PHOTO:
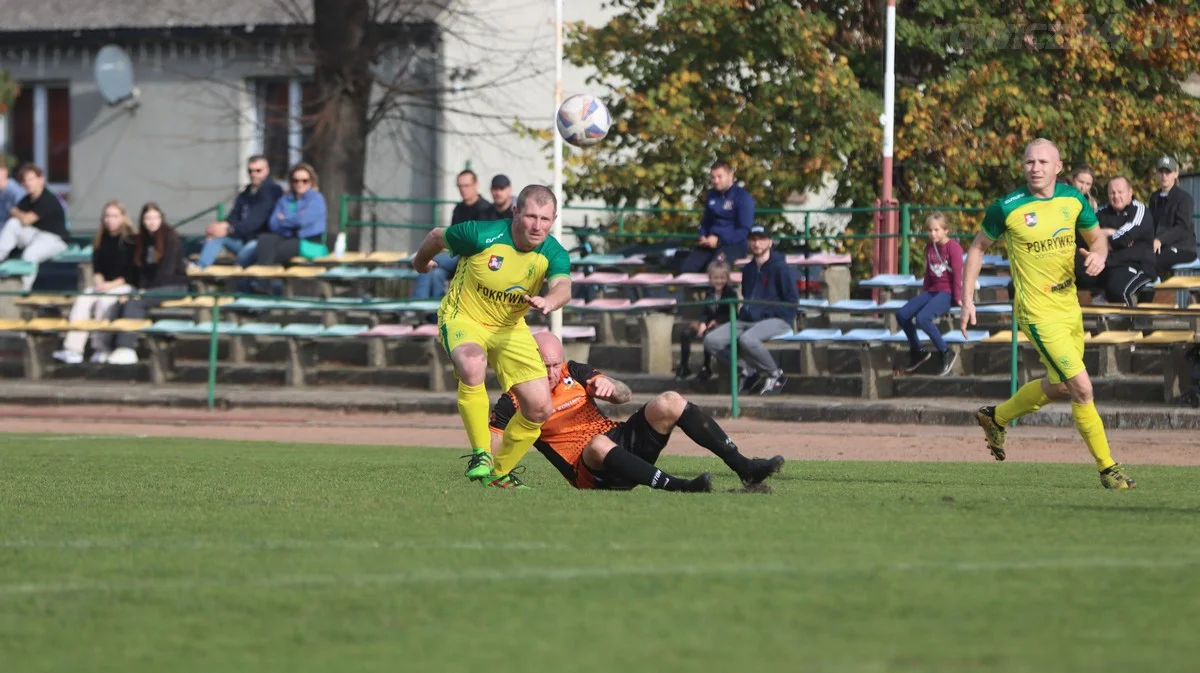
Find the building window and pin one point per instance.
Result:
(39, 130)
(284, 113)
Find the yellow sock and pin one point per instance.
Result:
(520, 434)
(473, 407)
(1028, 399)
(1091, 428)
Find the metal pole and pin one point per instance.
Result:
(905, 232)
(888, 121)
(734, 412)
(212, 355)
(556, 318)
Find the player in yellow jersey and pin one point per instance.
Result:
(1039, 224)
(481, 321)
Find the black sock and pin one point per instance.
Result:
(707, 359)
(626, 465)
(703, 430)
(685, 351)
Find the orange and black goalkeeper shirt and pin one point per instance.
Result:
(576, 418)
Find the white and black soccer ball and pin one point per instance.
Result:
(583, 120)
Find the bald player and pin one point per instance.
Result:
(1039, 223)
(593, 451)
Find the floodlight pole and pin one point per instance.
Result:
(556, 318)
(888, 221)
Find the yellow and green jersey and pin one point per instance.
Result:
(1040, 234)
(493, 277)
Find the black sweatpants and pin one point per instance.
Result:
(1169, 257)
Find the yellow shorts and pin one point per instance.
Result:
(1060, 346)
(511, 351)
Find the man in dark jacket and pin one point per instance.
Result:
(1172, 208)
(728, 218)
(766, 278)
(1130, 230)
(251, 211)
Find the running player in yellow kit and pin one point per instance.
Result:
(481, 321)
(1039, 224)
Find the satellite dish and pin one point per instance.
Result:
(114, 74)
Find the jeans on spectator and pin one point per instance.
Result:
(244, 251)
(432, 285)
(135, 309)
(36, 246)
(921, 311)
(93, 305)
(698, 259)
(750, 338)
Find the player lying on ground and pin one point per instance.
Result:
(481, 320)
(593, 451)
(1039, 224)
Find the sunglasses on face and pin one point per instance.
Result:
(300, 181)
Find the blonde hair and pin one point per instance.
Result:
(125, 233)
(939, 216)
(306, 167)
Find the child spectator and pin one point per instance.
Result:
(1083, 179)
(113, 275)
(942, 289)
(714, 314)
(299, 216)
(161, 270)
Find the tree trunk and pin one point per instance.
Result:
(342, 42)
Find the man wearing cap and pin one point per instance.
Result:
(502, 198)
(728, 217)
(766, 278)
(1171, 208)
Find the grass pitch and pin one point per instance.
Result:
(130, 555)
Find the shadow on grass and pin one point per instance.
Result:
(1133, 509)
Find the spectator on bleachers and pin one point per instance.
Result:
(298, 216)
(161, 270)
(247, 219)
(37, 224)
(1130, 229)
(728, 219)
(11, 191)
(1174, 231)
(719, 288)
(473, 207)
(113, 275)
(1084, 179)
(941, 290)
(766, 277)
(502, 199)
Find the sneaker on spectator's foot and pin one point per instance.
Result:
(123, 356)
(916, 359)
(748, 382)
(948, 359)
(704, 374)
(682, 373)
(772, 384)
(68, 357)
(99, 357)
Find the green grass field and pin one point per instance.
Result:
(126, 554)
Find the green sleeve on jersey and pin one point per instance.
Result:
(462, 239)
(1087, 217)
(993, 221)
(558, 261)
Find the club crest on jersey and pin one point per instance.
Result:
(1031, 219)
(494, 262)
(567, 381)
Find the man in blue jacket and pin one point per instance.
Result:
(728, 217)
(251, 210)
(766, 278)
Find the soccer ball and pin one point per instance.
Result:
(583, 120)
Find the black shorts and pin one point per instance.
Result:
(635, 436)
